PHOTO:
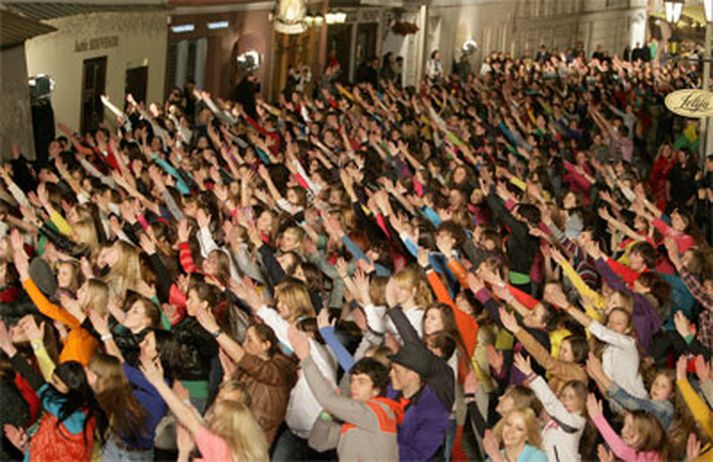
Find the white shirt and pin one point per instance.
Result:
(620, 359)
(379, 323)
(302, 408)
(560, 445)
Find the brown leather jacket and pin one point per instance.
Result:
(268, 383)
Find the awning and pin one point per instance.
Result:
(15, 29)
(42, 11)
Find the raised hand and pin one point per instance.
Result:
(491, 445)
(323, 319)
(6, 340)
(17, 436)
(228, 365)
(423, 257)
(342, 268)
(202, 218)
(683, 325)
(299, 342)
(604, 454)
(100, 323)
(206, 319)
(594, 406)
(703, 368)
(183, 230)
(682, 368)
(555, 296)
(147, 244)
(495, 358)
(693, 448)
(523, 363)
(475, 284)
(152, 369)
(247, 291)
(594, 366)
(471, 384)
(32, 330)
(362, 288)
(557, 256)
(509, 320)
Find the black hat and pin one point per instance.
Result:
(414, 357)
(42, 275)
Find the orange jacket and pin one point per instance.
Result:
(79, 344)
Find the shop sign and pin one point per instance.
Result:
(690, 103)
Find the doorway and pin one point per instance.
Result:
(94, 85)
(366, 42)
(136, 82)
(338, 45)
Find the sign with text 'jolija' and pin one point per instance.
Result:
(690, 103)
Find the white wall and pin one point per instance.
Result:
(516, 26)
(408, 47)
(488, 22)
(142, 37)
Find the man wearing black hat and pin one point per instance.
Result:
(425, 421)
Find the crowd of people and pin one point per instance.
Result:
(513, 267)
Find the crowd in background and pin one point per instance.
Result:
(513, 267)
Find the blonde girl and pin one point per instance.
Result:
(410, 290)
(84, 233)
(122, 260)
(69, 275)
(229, 433)
(518, 435)
(292, 304)
(566, 413)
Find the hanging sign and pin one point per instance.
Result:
(690, 103)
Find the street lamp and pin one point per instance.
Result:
(674, 8)
(705, 123)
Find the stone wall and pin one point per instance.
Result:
(15, 116)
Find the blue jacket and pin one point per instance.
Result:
(529, 454)
(424, 425)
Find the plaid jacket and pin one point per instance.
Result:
(705, 321)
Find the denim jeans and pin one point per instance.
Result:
(111, 452)
(450, 438)
(289, 447)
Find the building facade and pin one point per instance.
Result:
(148, 47)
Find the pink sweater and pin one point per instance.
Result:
(619, 447)
(683, 240)
(212, 447)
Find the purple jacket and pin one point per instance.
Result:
(423, 429)
(645, 318)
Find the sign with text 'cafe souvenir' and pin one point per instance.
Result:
(690, 103)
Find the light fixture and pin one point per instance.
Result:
(249, 61)
(336, 18)
(290, 17)
(673, 8)
(183, 28)
(218, 25)
(41, 86)
(708, 7)
(316, 20)
(470, 46)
